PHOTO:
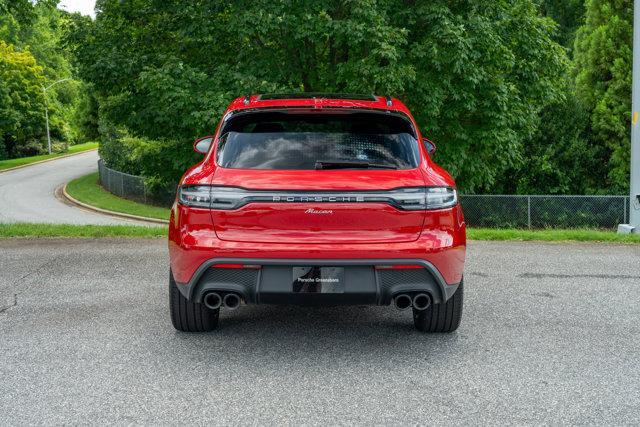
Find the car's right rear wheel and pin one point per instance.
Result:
(190, 316)
(443, 317)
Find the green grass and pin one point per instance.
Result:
(12, 163)
(65, 230)
(551, 235)
(87, 190)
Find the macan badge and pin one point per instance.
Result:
(319, 212)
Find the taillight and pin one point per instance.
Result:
(198, 196)
(398, 267)
(230, 198)
(238, 266)
(429, 198)
(440, 198)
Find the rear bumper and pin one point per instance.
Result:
(271, 283)
(194, 248)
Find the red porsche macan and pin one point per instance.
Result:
(316, 199)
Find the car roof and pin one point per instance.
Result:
(317, 100)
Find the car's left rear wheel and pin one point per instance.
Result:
(443, 317)
(189, 316)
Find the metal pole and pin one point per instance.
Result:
(46, 114)
(529, 211)
(634, 193)
(46, 109)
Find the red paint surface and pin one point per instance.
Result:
(353, 231)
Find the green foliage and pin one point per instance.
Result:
(485, 79)
(13, 15)
(21, 98)
(568, 14)
(145, 71)
(603, 58)
(476, 74)
(43, 39)
(85, 118)
(160, 161)
(34, 30)
(560, 159)
(484, 74)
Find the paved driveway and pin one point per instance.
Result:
(550, 334)
(28, 194)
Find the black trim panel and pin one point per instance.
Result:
(441, 290)
(306, 109)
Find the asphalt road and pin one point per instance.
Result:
(550, 334)
(28, 194)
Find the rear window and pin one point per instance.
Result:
(281, 141)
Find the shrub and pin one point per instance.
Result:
(29, 148)
(160, 162)
(59, 147)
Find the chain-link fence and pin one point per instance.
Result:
(132, 187)
(545, 211)
(496, 211)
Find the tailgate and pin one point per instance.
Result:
(354, 206)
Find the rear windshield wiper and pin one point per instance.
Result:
(320, 165)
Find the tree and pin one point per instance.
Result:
(475, 73)
(14, 14)
(603, 60)
(569, 15)
(559, 156)
(33, 30)
(86, 119)
(21, 99)
(485, 70)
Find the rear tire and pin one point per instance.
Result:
(444, 317)
(189, 316)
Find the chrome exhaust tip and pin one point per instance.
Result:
(231, 301)
(421, 301)
(212, 300)
(402, 301)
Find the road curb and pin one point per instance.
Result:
(108, 212)
(47, 160)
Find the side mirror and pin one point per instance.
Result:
(202, 145)
(430, 146)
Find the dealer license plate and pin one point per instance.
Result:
(324, 280)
